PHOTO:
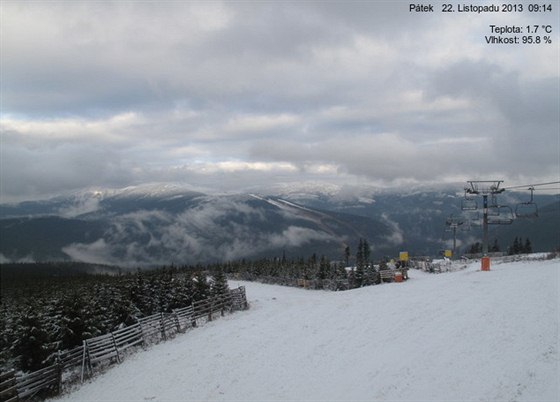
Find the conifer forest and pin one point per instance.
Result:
(41, 313)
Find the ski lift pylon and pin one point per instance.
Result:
(527, 209)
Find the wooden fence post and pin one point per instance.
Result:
(177, 323)
(59, 378)
(143, 332)
(59, 367)
(244, 296)
(193, 319)
(162, 325)
(84, 354)
(116, 348)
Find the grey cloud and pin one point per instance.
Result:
(145, 55)
(385, 157)
(297, 236)
(35, 172)
(118, 93)
(521, 116)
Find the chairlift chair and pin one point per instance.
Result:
(472, 215)
(503, 215)
(527, 209)
(475, 222)
(466, 227)
(468, 204)
(493, 210)
(454, 221)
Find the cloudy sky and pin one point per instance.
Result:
(236, 94)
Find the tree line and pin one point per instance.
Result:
(351, 271)
(518, 246)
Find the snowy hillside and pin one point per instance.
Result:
(467, 335)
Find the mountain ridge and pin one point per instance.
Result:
(151, 225)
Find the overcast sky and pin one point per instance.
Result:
(236, 94)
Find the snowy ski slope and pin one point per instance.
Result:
(462, 336)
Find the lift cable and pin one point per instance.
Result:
(532, 185)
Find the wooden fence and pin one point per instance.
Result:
(102, 351)
(8, 387)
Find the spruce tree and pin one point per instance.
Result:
(366, 252)
(347, 255)
(324, 268)
(32, 343)
(219, 283)
(201, 286)
(359, 275)
(475, 248)
(340, 271)
(516, 247)
(138, 293)
(185, 291)
(528, 248)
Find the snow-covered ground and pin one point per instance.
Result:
(461, 336)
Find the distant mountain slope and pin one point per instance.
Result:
(544, 231)
(42, 238)
(153, 224)
(183, 229)
(420, 216)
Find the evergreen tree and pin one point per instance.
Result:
(371, 275)
(516, 246)
(164, 289)
(476, 248)
(185, 291)
(201, 286)
(352, 283)
(312, 267)
(79, 319)
(359, 275)
(528, 248)
(340, 271)
(32, 342)
(219, 283)
(495, 247)
(138, 292)
(324, 268)
(366, 252)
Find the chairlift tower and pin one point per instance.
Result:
(452, 224)
(487, 188)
